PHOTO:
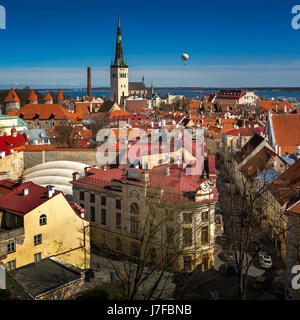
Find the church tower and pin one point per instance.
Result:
(118, 72)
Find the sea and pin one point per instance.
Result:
(275, 94)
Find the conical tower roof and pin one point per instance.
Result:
(12, 96)
(32, 96)
(60, 95)
(48, 97)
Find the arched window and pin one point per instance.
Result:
(43, 220)
(134, 208)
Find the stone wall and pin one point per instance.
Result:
(33, 158)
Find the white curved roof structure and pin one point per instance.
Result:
(55, 173)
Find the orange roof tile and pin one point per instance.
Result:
(29, 111)
(32, 96)
(118, 113)
(271, 105)
(60, 95)
(286, 131)
(12, 96)
(48, 97)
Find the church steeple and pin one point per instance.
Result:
(119, 60)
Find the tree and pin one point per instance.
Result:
(160, 242)
(248, 214)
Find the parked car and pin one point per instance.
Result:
(265, 260)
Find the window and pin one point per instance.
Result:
(38, 257)
(204, 235)
(118, 204)
(81, 196)
(92, 198)
(170, 234)
(43, 220)
(11, 265)
(118, 220)
(187, 218)
(134, 225)
(169, 214)
(37, 240)
(187, 237)
(93, 216)
(11, 247)
(134, 208)
(205, 216)
(187, 262)
(103, 201)
(103, 217)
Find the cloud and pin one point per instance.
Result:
(242, 75)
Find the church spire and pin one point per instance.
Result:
(119, 60)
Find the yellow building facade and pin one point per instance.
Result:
(53, 228)
(122, 213)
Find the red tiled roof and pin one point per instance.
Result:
(30, 111)
(295, 208)
(286, 131)
(15, 202)
(119, 114)
(32, 96)
(60, 95)
(48, 97)
(285, 186)
(271, 105)
(7, 143)
(246, 132)
(134, 105)
(12, 96)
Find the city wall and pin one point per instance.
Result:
(33, 158)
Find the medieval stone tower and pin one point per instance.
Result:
(118, 72)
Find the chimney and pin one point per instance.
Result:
(25, 192)
(20, 181)
(50, 191)
(89, 81)
(168, 171)
(75, 176)
(285, 110)
(279, 150)
(86, 170)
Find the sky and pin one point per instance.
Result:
(49, 44)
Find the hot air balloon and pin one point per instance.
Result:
(185, 57)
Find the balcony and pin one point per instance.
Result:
(6, 234)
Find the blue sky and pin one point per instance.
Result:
(231, 43)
